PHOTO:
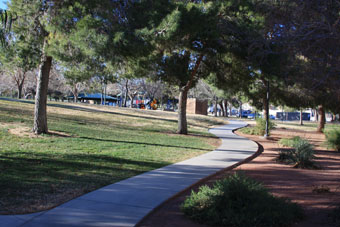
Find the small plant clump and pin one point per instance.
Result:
(289, 142)
(261, 126)
(333, 139)
(259, 129)
(239, 201)
(321, 189)
(301, 154)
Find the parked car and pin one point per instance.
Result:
(245, 113)
(252, 115)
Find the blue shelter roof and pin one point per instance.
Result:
(96, 96)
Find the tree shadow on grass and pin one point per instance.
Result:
(143, 143)
(35, 181)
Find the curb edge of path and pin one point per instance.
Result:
(250, 158)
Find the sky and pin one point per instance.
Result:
(2, 4)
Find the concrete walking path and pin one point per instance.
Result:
(126, 202)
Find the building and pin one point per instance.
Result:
(195, 106)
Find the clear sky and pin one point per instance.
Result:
(3, 4)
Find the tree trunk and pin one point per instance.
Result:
(104, 94)
(226, 108)
(20, 91)
(182, 112)
(75, 93)
(40, 113)
(126, 93)
(215, 109)
(265, 108)
(183, 96)
(322, 119)
(20, 84)
(222, 108)
(132, 97)
(301, 120)
(240, 109)
(316, 116)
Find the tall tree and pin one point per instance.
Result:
(185, 38)
(312, 34)
(53, 21)
(34, 18)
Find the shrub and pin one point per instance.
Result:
(304, 154)
(239, 201)
(259, 129)
(301, 155)
(286, 156)
(289, 142)
(261, 126)
(333, 139)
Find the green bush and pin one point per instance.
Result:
(286, 156)
(301, 155)
(289, 142)
(304, 154)
(239, 201)
(333, 139)
(261, 126)
(259, 129)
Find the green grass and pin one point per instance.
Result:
(307, 126)
(99, 146)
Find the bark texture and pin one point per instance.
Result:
(182, 112)
(322, 119)
(20, 91)
(75, 93)
(126, 93)
(301, 120)
(265, 108)
(40, 112)
(20, 80)
(215, 109)
(241, 109)
(226, 108)
(222, 108)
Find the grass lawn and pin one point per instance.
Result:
(89, 147)
(307, 125)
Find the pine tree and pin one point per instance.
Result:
(184, 37)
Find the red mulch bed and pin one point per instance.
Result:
(307, 187)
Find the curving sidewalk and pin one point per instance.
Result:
(125, 203)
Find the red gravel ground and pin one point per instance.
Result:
(317, 190)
